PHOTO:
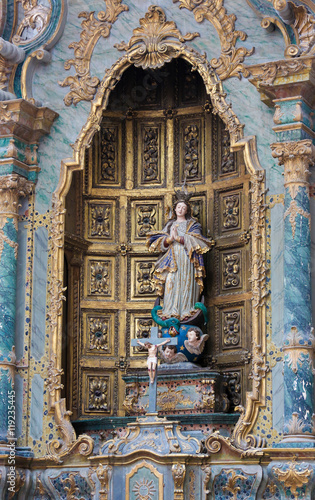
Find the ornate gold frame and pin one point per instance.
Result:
(241, 438)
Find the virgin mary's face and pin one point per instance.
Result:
(181, 209)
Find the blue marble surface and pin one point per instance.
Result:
(20, 290)
(37, 405)
(39, 293)
(297, 258)
(298, 394)
(277, 273)
(18, 405)
(278, 397)
(7, 291)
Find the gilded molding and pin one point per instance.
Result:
(294, 477)
(152, 45)
(83, 86)
(302, 24)
(296, 158)
(36, 19)
(178, 473)
(230, 61)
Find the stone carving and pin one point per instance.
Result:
(230, 61)
(231, 211)
(156, 42)
(100, 272)
(35, 21)
(191, 154)
(83, 86)
(178, 473)
(98, 393)
(150, 167)
(231, 328)
(146, 219)
(231, 271)
(109, 171)
(293, 476)
(99, 334)
(100, 215)
(233, 387)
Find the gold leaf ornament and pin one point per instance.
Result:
(294, 477)
(156, 41)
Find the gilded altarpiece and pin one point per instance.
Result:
(126, 190)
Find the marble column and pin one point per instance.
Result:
(298, 341)
(12, 187)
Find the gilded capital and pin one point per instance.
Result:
(12, 187)
(296, 158)
(178, 472)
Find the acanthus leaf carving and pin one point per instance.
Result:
(35, 21)
(230, 61)
(82, 85)
(294, 475)
(155, 42)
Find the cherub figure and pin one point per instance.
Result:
(170, 355)
(152, 358)
(195, 342)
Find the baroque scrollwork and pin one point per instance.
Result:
(178, 472)
(83, 86)
(230, 61)
(155, 42)
(35, 21)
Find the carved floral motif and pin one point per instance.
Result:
(100, 272)
(178, 473)
(109, 146)
(231, 328)
(98, 334)
(100, 215)
(227, 161)
(267, 73)
(146, 219)
(207, 395)
(231, 211)
(71, 487)
(155, 42)
(150, 167)
(292, 211)
(230, 61)
(145, 283)
(83, 86)
(231, 270)
(191, 152)
(231, 487)
(98, 393)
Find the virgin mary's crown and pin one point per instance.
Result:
(183, 193)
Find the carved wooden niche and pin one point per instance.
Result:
(157, 129)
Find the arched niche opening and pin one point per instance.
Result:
(159, 126)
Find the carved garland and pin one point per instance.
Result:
(142, 53)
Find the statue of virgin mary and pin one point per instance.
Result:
(179, 272)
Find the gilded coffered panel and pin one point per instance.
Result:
(199, 210)
(150, 152)
(146, 215)
(140, 270)
(100, 277)
(100, 220)
(189, 134)
(232, 320)
(230, 211)
(97, 392)
(225, 163)
(232, 270)
(107, 159)
(98, 333)
(140, 328)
